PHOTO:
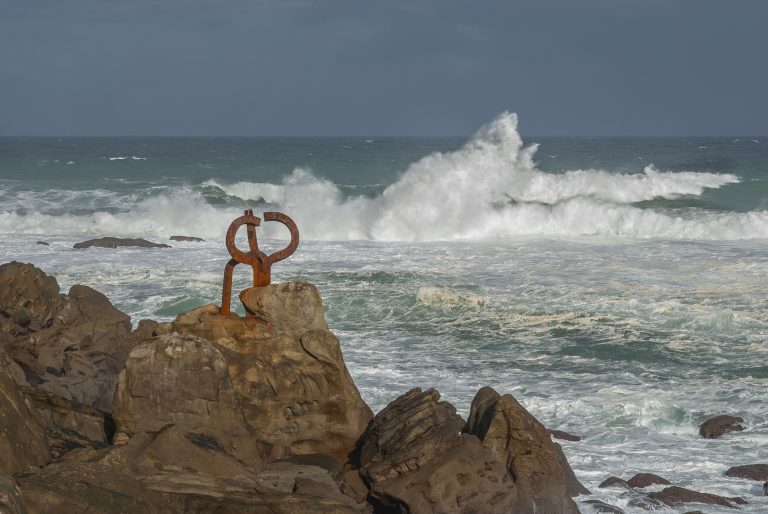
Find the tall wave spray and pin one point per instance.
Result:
(491, 188)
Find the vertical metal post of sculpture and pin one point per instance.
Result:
(258, 260)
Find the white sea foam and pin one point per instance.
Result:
(490, 188)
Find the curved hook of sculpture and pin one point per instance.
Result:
(258, 260)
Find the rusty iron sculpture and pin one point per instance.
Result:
(258, 260)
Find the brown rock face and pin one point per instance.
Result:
(287, 369)
(749, 471)
(182, 381)
(10, 496)
(173, 472)
(71, 346)
(415, 460)
(22, 439)
(544, 479)
(720, 425)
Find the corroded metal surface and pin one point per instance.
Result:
(258, 260)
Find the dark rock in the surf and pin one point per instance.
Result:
(43, 243)
(10, 496)
(720, 425)
(188, 238)
(115, 242)
(765, 488)
(642, 480)
(182, 381)
(749, 471)
(603, 508)
(613, 481)
(675, 496)
(565, 436)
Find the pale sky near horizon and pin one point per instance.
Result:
(394, 67)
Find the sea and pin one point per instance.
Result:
(617, 287)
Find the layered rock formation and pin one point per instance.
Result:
(230, 414)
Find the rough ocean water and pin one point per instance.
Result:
(618, 287)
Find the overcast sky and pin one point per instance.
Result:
(387, 67)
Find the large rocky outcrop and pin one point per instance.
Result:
(72, 345)
(182, 381)
(231, 414)
(415, 459)
(287, 369)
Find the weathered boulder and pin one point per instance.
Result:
(749, 471)
(287, 369)
(182, 381)
(720, 425)
(187, 238)
(22, 440)
(415, 460)
(675, 496)
(642, 480)
(72, 345)
(114, 242)
(10, 496)
(28, 295)
(542, 475)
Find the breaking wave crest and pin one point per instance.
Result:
(490, 188)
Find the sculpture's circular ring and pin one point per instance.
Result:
(238, 255)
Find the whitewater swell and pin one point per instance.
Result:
(490, 188)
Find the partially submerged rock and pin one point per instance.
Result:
(642, 480)
(115, 242)
(720, 425)
(565, 436)
(187, 238)
(749, 471)
(675, 496)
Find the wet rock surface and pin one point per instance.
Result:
(720, 425)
